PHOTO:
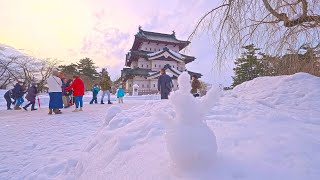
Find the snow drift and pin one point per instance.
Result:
(267, 128)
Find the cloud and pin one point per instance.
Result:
(104, 29)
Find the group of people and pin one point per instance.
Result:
(64, 93)
(15, 96)
(165, 85)
(60, 91)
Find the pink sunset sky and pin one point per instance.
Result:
(104, 30)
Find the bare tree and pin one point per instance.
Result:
(273, 25)
(25, 69)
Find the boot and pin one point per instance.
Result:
(50, 111)
(17, 108)
(9, 108)
(25, 108)
(80, 109)
(57, 111)
(34, 109)
(76, 110)
(109, 102)
(102, 102)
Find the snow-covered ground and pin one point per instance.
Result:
(267, 128)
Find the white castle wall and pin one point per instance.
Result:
(154, 47)
(143, 63)
(154, 65)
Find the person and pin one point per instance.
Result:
(165, 84)
(66, 102)
(69, 93)
(105, 84)
(31, 97)
(55, 93)
(195, 86)
(78, 92)
(18, 92)
(8, 96)
(120, 94)
(95, 91)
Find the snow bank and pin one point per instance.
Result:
(267, 128)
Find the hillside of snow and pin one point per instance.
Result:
(267, 128)
(8, 51)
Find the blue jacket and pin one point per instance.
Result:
(120, 92)
(95, 90)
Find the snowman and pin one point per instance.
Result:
(190, 142)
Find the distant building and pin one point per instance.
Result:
(150, 52)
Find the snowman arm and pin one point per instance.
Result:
(211, 98)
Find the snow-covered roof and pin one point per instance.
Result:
(147, 36)
(166, 52)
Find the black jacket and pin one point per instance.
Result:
(18, 91)
(9, 94)
(32, 93)
(165, 84)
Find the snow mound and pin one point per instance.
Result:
(191, 143)
(111, 113)
(298, 91)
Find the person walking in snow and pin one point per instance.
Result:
(55, 93)
(105, 84)
(196, 86)
(95, 91)
(165, 84)
(31, 97)
(120, 94)
(8, 96)
(78, 92)
(18, 92)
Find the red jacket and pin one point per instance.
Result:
(77, 86)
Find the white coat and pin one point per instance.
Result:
(54, 84)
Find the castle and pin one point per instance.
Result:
(151, 52)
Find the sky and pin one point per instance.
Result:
(104, 30)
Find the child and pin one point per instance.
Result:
(31, 97)
(95, 91)
(120, 94)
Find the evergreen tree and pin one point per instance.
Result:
(86, 67)
(248, 66)
(69, 69)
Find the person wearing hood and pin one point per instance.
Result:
(8, 96)
(95, 91)
(31, 97)
(18, 92)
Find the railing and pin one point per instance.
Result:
(143, 92)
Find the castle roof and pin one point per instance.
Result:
(148, 36)
(172, 70)
(164, 54)
(128, 72)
